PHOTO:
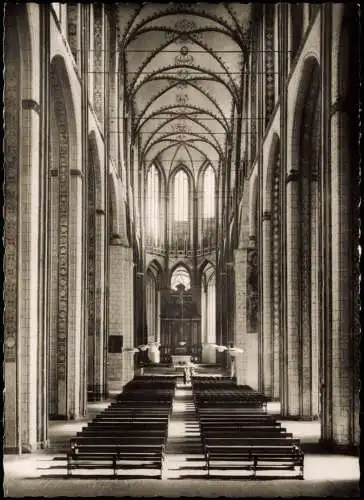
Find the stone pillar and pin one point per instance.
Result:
(28, 273)
(340, 352)
(98, 334)
(246, 363)
(43, 325)
(343, 398)
(277, 292)
(75, 280)
(21, 320)
(267, 347)
(53, 244)
(304, 283)
(291, 407)
(282, 89)
(208, 349)
(240, 264)
(158, 319)
(121, 315)
(315, 305)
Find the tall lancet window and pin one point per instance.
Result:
(181, 217)
(152, 206)
(181, 197)
(208, 228)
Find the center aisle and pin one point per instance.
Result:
(184, 456)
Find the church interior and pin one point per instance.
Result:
(181, 264)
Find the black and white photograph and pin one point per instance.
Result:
(181, 249)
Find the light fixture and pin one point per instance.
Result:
(230, 349)
(143, 347)
(220, 348)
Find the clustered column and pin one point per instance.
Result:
(267, 347)
(292, 342)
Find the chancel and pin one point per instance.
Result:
(181, 292)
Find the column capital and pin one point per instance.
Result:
(339, 105)
(31, 104)
(292, 176)
(116, 240)
(76, 172)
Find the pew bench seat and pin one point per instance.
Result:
(124, 457)
(237, 434)
(130, 418)
(101, 426)
(114, 441)
(255, 458)
(117, 433)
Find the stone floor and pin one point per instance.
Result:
(43, 473)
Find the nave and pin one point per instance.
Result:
(181, 186)
(185, 464)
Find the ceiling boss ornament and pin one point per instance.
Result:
(183, 75)
(182, 99)
(188, 27)
(184, 57)
(181, 128)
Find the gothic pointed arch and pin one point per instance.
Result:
(181, 210)
(23, 328)
(66, 223)
(303, 248)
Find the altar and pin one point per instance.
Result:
(181, 359)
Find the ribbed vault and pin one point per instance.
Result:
(183, 74)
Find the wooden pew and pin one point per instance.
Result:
(237, 433)
(133, 417)
(126, 425)
(255, 457)
(116, 440)
(118, 433)
(132, 429)
(119, 456)
(125, 411)
(238, 420)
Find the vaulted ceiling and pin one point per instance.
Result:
(182, 67)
